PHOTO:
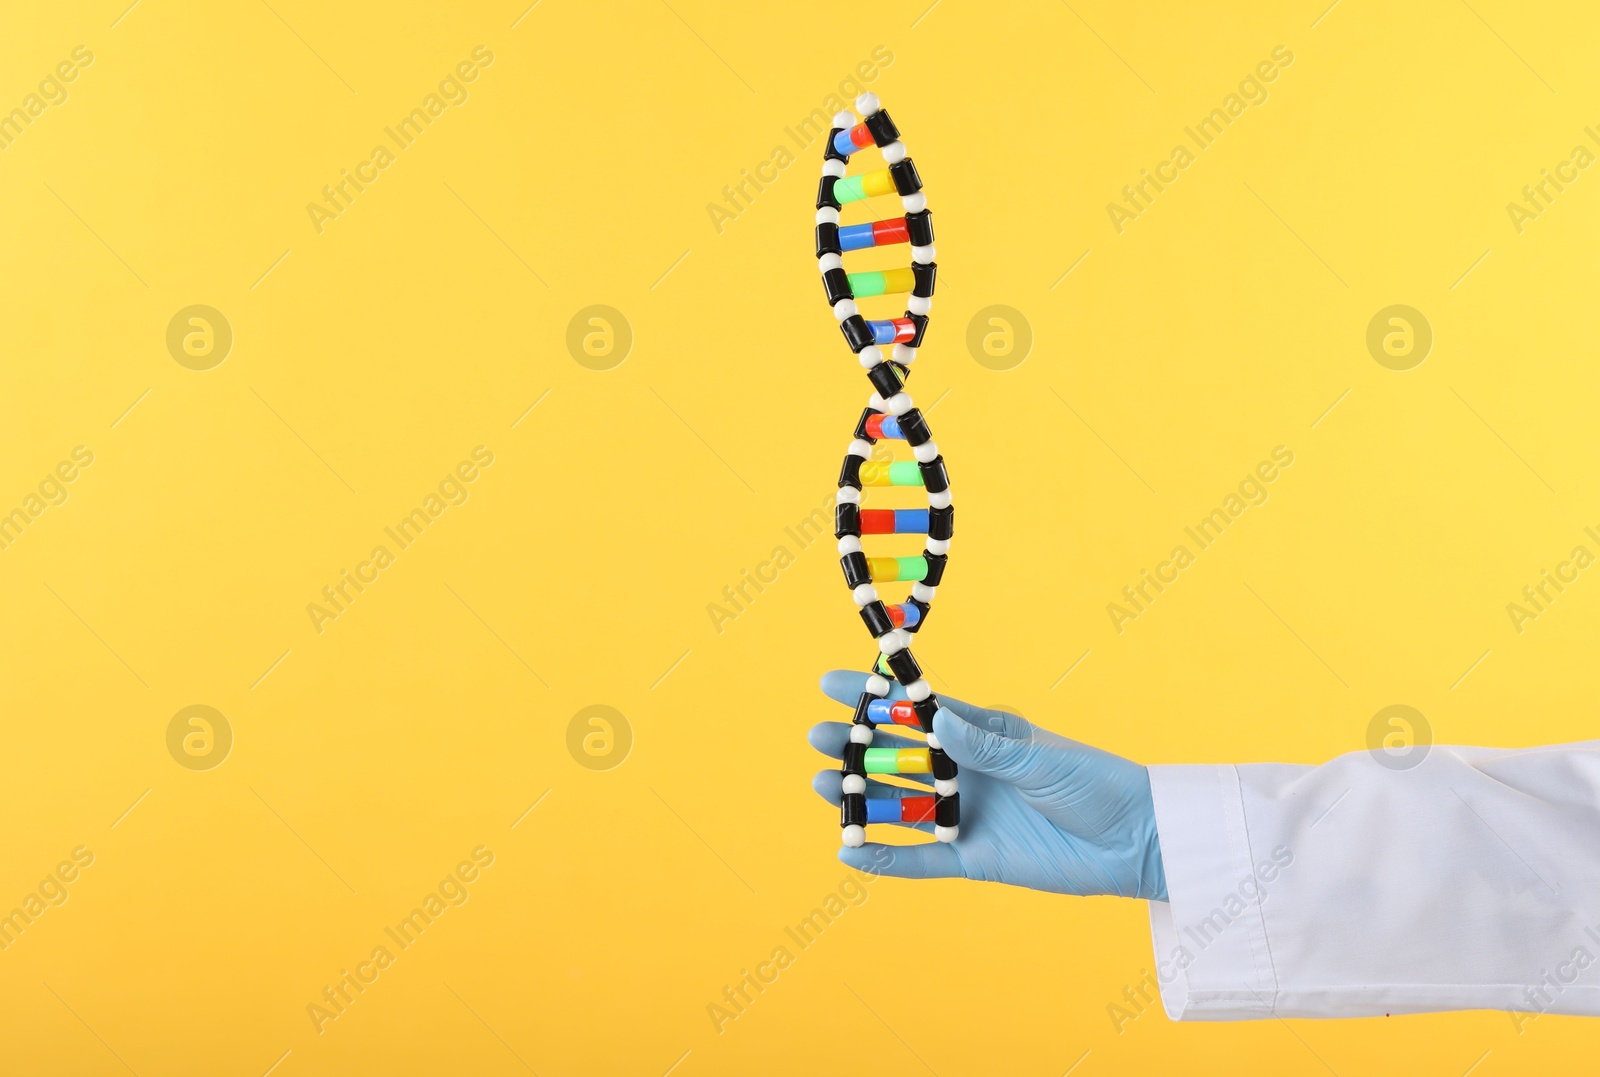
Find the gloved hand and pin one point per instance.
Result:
(1037, 810)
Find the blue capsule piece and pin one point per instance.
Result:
(883, 810)
(911, 521)
(882, 332)
(855, 237)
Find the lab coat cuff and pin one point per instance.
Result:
(1211, 948)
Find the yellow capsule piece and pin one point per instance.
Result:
(875, 473)
(913, 761)
(898, 280)
(876, 183)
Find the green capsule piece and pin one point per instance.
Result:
(882, 760)
(913, 569)
(849, 189)
(905, 473)
(868, 284)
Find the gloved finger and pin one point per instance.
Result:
(1002, 723)
(827, 785)
(846, 685)
(934, 860)
(973, 746)
(829, 738)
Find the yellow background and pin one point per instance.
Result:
(370, 758)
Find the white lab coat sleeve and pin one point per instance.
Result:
(1469, 881)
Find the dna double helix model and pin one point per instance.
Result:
(889, 415)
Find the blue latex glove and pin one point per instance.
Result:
(1037, 810)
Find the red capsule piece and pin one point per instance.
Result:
(860, 135)
(877, 521)
(897, 616)
(875, 425)
(903, 713)
(917, 809)
(890, 231)
(905, 330)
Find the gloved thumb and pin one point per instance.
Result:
(978, 749)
